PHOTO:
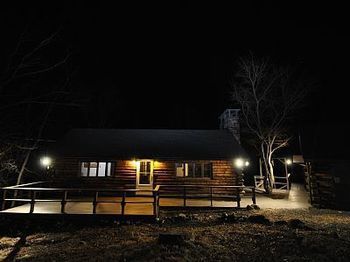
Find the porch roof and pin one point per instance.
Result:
(149, 143)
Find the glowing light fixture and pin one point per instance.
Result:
(136, 163)
(246, 163)
(239, 162)
(288, 162)
(46, 161)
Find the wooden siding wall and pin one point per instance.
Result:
(223, 174)
(328, 184)
(124, 175)
(67, 175)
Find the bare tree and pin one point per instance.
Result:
(268, 96)
(25, 107)
(27, 59)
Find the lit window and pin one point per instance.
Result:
(180, 169)
(95, 169)
(194, 170)
(84, 169)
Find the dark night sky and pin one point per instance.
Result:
(168, 65)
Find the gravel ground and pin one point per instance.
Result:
(255, 235)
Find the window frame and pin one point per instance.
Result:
(97, 168)
(186, 168)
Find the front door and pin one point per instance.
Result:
(144, 174)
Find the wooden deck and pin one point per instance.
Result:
(116, 202)
(131, 208)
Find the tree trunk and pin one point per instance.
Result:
(271, 171)
(268, 166)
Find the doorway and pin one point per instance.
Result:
(144, 174)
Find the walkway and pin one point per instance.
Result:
(296, 198)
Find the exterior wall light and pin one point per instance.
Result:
(288, 162)
(246, 163)
(46, 161)
(136, 163)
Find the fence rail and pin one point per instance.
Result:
(185, 193)
(32, 198)
(31, 194)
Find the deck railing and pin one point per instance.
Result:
(211, 192)
(32, 196)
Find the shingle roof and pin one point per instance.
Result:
(149, 143)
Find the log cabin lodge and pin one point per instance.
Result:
(142, 161)
(144, 158)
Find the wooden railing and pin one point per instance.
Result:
(31, 194)
(259, 183)
(32, 199)
(195, 191)
(281, 182)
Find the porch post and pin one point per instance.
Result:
(32, 202)
(64, 201)
(3, 202)
(238, 198)
(155, 203)
(185, 196)
(254, 196)
(95, 202)
(123, 203)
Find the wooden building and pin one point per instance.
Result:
(144, 158)
(328, 182)
(132, 172)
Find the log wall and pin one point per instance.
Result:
(67, 174)
(328, 184)
(124, 174)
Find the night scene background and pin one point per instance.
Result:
(169, 65)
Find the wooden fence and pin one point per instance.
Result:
(211, 192)
(31, 194)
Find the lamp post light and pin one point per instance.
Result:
(46, 162)
(240, 164)
(288, 162)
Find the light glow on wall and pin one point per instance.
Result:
(158, 164)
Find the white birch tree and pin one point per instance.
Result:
(268, 96)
